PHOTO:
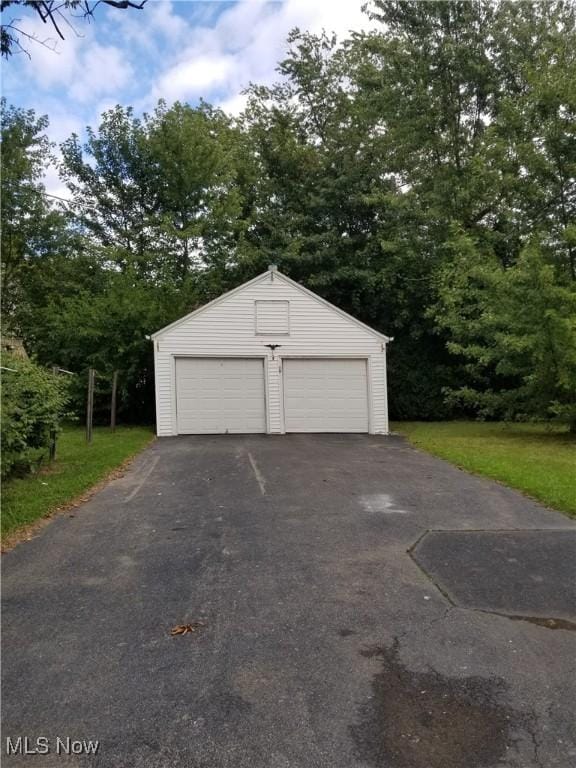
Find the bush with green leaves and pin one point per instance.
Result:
(515, 328)
(34, 403)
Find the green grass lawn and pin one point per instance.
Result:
(534, 458)
(78, 466)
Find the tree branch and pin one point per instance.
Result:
(123, 4)
(47, 42)
(47, 10)
(50, 15)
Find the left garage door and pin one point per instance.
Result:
(220, 395)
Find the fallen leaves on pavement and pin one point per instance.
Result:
(184, 629)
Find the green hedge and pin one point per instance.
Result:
(33, 405)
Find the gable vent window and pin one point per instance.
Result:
(272, 318)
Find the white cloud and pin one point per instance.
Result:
(63, 125)
(80, 64)
(183, 52)
(234, 105)
(163, 19)
(53, 184)
(152, 27)
(245, 45)
(101, 70)
(52, 62)
(171, 49)
(194, 76)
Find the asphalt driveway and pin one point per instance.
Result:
(355, 603)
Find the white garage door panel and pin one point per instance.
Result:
(219, 395)
(325, 395)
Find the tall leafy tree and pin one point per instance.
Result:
(112, 189)
(160, 191)
(30, 224)
(333, 212)
(156, 201)
(194, 160)
(421, 176)
(515, 328)
(476, 102)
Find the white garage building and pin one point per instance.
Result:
(271, 357)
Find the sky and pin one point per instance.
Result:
(172, 49)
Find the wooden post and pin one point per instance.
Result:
(113, 401)
(52, 444)
(90, 404)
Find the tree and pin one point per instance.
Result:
(515, 328)
(403, 174)
(533, 139)
(194, 159)
(158, 192)
(331, 211)
(53, 13)
(30, 225)
(476, 110)
(157, 209)
(100, 318)
(113, 193)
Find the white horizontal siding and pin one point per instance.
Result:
(227, 329)
(272, 317)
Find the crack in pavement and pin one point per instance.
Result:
(145, 477)
(547, 622)
(257, 474)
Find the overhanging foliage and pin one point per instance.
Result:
(421, 176)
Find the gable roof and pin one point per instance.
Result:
(258, 278)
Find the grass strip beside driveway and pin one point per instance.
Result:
(536, 459)
(78, 467)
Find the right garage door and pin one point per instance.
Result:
(325, 395)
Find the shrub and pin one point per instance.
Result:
(33, 406)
